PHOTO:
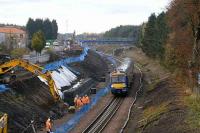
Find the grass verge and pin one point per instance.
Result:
(193, 117)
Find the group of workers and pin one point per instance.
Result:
(80, 101)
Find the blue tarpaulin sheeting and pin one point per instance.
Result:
(55, 65)
(66, 127)
(3, 88)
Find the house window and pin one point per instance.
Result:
(21, 35)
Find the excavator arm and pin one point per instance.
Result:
(37, 70)
(4, 124)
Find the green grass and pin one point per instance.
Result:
(193, 117)
(153, 113)
(152, 86)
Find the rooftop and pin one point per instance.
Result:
(11, 30)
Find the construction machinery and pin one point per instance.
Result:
(35, 69)
(4, 124)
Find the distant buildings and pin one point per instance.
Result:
(13, 37)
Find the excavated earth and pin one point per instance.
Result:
(30, 99)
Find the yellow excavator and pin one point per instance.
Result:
(35, 69)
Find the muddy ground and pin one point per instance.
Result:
(30, 99)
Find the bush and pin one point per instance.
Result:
(19, 52)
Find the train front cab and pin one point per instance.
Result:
(119, 83)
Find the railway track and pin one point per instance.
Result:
(105, 116)
(110, 110)
(135, 99)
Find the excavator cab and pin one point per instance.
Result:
(10, 75)
(4, 58)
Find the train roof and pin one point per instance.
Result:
(117, 73)
(126, 63)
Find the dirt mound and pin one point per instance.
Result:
(93, 66)
(28, 100)
(164, 109)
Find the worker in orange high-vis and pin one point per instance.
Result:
(87, 99)
(84, 101)
(79, 103)
(75, 100)
(48, 125)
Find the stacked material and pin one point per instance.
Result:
(62, 77)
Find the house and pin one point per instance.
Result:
(13, 37)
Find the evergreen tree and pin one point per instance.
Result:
(47, 28)
(149, 42)
(54, 29)
(30, 27)
(39, 25)
(162, 32)
(50, 29)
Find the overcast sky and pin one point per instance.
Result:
(81, 15)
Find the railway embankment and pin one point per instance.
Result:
(165, 105)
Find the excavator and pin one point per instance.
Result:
(37, 70)
(7, 67)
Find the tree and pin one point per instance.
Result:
(38, 41)
(127, 31)
(149, 42)
(184, 21)
(39, 24)
(47, 28)
(155, 36)
(162, 32)
(50, 29)
(30, 27)
(54, 29)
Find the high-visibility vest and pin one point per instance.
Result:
(79, 103)
(87, 99)
(75, 101)
(83, 99)
(48, 126)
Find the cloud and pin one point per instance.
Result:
(81, 15)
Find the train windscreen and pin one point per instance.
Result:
(118, 79)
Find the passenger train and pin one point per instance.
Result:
(121, 79)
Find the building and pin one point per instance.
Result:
(13, 37)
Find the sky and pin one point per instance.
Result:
(92, 16)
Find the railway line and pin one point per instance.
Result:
(102, 120)
(105, 116)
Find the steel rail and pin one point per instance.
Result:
(104, 117)
(135, 99)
